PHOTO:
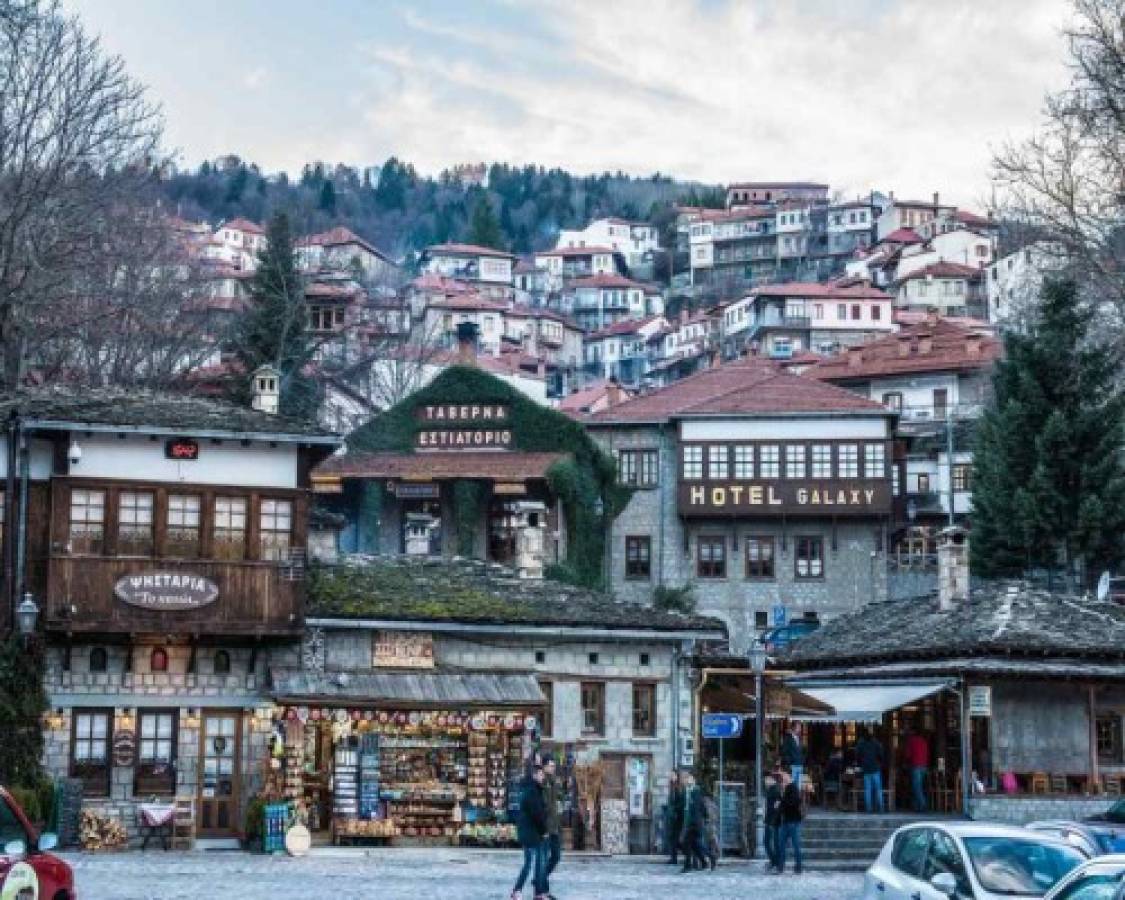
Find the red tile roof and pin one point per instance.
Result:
(918, 316)
(321, 291)
(466, 250)
(627, 326)
(749, 386)
(575, 251)
(431, 281)
(935, 345)
(340, 236)
(942, 269)
(829, 290)
(902, 236)
(579, 404)
(246, 225)
(791, 185)
(974, 220)
(606, 280)
(492, 466)
(468, 302)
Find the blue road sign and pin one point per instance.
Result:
(780, 614)
(722, 725)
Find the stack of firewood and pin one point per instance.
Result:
(100, 832)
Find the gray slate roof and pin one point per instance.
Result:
(467, 591)
(144, 409)
(1001, 620)
(438, 687)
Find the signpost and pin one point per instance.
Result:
(780, 614)
(721, 727)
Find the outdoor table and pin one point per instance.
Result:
(156, 819)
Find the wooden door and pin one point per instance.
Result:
(219, 755)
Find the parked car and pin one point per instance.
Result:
(1094, 838)
(937, 860)
(1099, 879)
(782, 636)
(27, 870)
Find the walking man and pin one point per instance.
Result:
(552, 798)
(691, 837)
(773, 818)
(869, 755)
(532, 832)
(917, 753)
(793, 754)
(675, 816)
(790, 832)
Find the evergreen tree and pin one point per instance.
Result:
(327, 201)
(273, 329)
(22, 704)
(1049, 462)
(484, 228)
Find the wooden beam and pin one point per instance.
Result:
(1095, 779)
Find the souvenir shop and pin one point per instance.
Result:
(402, 776)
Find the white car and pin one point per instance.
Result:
(968, 861)
(1099, 879)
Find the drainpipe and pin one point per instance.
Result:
(677, 653)
(21, 534)
(9, 509)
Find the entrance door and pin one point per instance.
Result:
(219, 755)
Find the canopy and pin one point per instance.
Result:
(432, 687)
(867, 702)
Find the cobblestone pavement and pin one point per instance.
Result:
(442, 874)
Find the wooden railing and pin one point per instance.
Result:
(254, 598)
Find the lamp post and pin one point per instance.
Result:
(758, 661)
(26, 615)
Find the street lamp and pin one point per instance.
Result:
(26, 615)
(758, 661)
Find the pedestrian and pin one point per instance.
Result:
(553, 796)
(869, 755)
(774, 786)
(917, 753)
(793, 754)
(691, 835)
(790, 831)
(710, 843)
(532, 832)
(674, 816)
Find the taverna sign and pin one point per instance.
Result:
(166, 591)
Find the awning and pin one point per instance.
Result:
(398, 688)
(867, 702)
(498, 465)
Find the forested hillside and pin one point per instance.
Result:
(401, 211)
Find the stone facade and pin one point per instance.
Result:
(1022, 810)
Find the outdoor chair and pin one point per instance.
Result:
(1111, 785)
(1040, 784)
(183, 823)
(941, 793)
(1059, 785)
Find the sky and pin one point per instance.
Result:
(905, 95)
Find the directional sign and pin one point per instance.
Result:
(722, 725)
(780, 614)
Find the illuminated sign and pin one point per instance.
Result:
(803, 498)
(181, 449)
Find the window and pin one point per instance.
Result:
(718, 466)
(156, 752)
(962, 478)
(644, 710)
(893, 401)
(841, 311)
(547, 725)
(818, 311)
(769, 461)
(847, 461)
(593, 707)
(761, 620)
(822, 461)
(1096, 885)
(896, 481)
(909, 854)
(874, 461)
(326, 318)
(923, 483)
(638, 557)
(945, 857)
(276, 524)
(647, 472)
(1107, 730)
(182, 538)
(87, 521)
(857, 311)
(744, 461)
(759, 557)
(693, 462)
(134, 523)
(941, 402)
(795, 464)
(221, 662)
(712, 561)
(89, 750)
(627, 467)
(99, 659)
(809, 557)
(230, 528)
(158, 660)
(876, 312)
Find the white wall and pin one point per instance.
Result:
(783, 429)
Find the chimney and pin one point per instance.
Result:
(953, 567)
(904, 342)
(855, 357)
(925, 343)
(265, 389)
(684, 314)
(613, 393)
(972, 344)
(937, 201)
(467, 333)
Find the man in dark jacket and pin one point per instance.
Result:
(773, 818)
(532, 832)
(695, 824)
(793, 754)
(869, 756)
(790, 831)
(553, 796)
(675, 816)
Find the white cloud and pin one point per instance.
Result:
(256, 78)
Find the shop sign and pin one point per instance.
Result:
(403, 650)
(509, 490)
(166, 591)
(413, 491)
(464, 439)
(463, 426)
(807, 498)
(461, 413)
(124, 747)
(980, 700)
(182, 449)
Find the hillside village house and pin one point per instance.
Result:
(948, 288)
(164, 545)
(488, 270)
(567, 263)
(741, 193)
(769, 495)
(637, 242)
(913, 214)
(599, 301)
(621, 351)
(237, 243)
(961, 246)
(342, 249)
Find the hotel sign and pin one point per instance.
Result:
(463, 426)
(402, 650)
(779, 497)
(166, 591)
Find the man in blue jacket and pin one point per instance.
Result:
(531, 829)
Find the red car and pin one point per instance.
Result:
(27, 870)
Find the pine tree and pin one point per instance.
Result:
(273, 329)
(1049, 461)
(484, 228)
(327, 200)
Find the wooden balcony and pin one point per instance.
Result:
(263, 599)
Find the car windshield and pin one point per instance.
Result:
(1020, 867)
(1116, 813)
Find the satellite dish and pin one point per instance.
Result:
(1103, 586)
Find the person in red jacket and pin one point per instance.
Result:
(916, 751)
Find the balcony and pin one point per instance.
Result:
(254, 598)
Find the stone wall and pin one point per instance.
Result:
(1040, 727)
(1022, 810)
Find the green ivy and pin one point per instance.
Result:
(22, 705)
(468, 507)
(579, 482)
(674, 599)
